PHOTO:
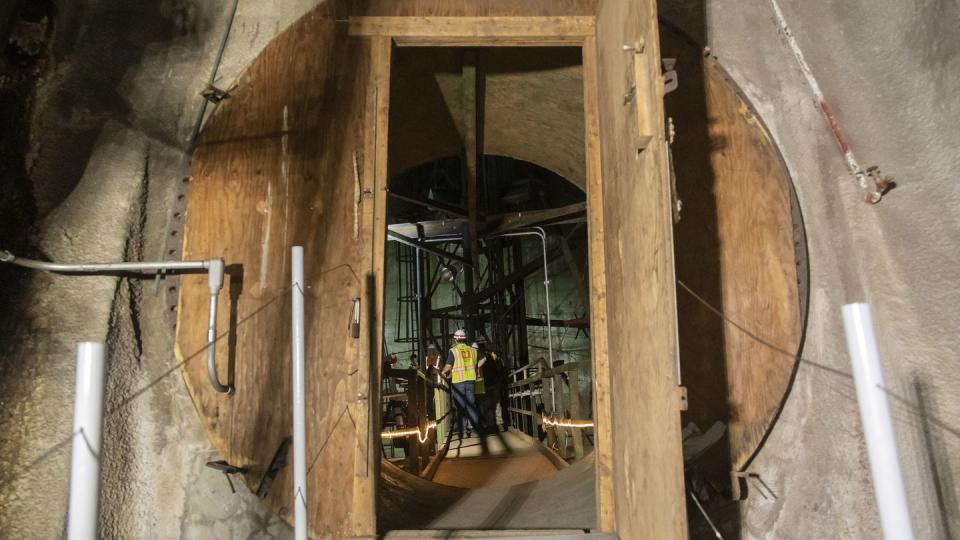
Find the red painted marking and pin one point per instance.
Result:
(834, 127)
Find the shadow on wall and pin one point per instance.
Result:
(698, 260)
(92, 69)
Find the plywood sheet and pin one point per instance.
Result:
(289, 159)
(275, 168)
(736, 249)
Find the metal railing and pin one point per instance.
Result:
(528, 409)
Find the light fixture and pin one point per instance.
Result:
(448, 273)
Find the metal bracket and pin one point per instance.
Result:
(670, 80)
(227, 469)
(215, 95)
(878, 184)
(355, 319)
(277, 464)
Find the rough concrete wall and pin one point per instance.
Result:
(111, 119)
(891, 72)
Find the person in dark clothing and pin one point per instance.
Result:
(495, 383)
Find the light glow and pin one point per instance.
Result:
(549, 421)
(421, 436)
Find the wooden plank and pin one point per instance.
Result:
(471, 93)
(427, 247)
(602, 408)
(431, 204)
(367, 460)
(645, 455)
(471, 97)
(472, 27)
(517, 220)
(558, 41)
(738, 254)
(266, 176)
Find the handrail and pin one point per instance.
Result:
(570, 366)
(534, 418)
(214, 268)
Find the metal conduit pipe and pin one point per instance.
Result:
(538, 231)
(215, 269)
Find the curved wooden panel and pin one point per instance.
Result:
(289, 159)
(275, 168)
(735, 247)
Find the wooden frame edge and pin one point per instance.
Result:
(476, 31)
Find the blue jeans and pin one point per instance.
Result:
(466, 404)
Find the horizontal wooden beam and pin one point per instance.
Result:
(426, 247)
(516, 220)
(509, 28)
(555, 41)
(431, 204)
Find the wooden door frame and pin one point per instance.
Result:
(386, 32)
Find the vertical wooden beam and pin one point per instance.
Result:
(374, 207)
(602, 408)
(576, 412)
(473, 152)
(647, 455)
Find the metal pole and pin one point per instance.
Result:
(87, 437)
(299, 403)
(151, 267)
(421, 322)
(546, 286)
(215, 275)
(877, 426)
(215, 269)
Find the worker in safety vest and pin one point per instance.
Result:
(494, 376)
(461, 367)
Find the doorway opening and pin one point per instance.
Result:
(486, 235)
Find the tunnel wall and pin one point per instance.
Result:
(887, 70)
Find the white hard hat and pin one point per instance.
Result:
(474, 345)
(460, 334)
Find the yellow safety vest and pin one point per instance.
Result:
(464, 363)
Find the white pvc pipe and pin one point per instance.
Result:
(299, 403)
(87, 437)
(877, 425)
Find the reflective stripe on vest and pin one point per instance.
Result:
(464, 363)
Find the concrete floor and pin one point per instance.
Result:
(117, 105)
